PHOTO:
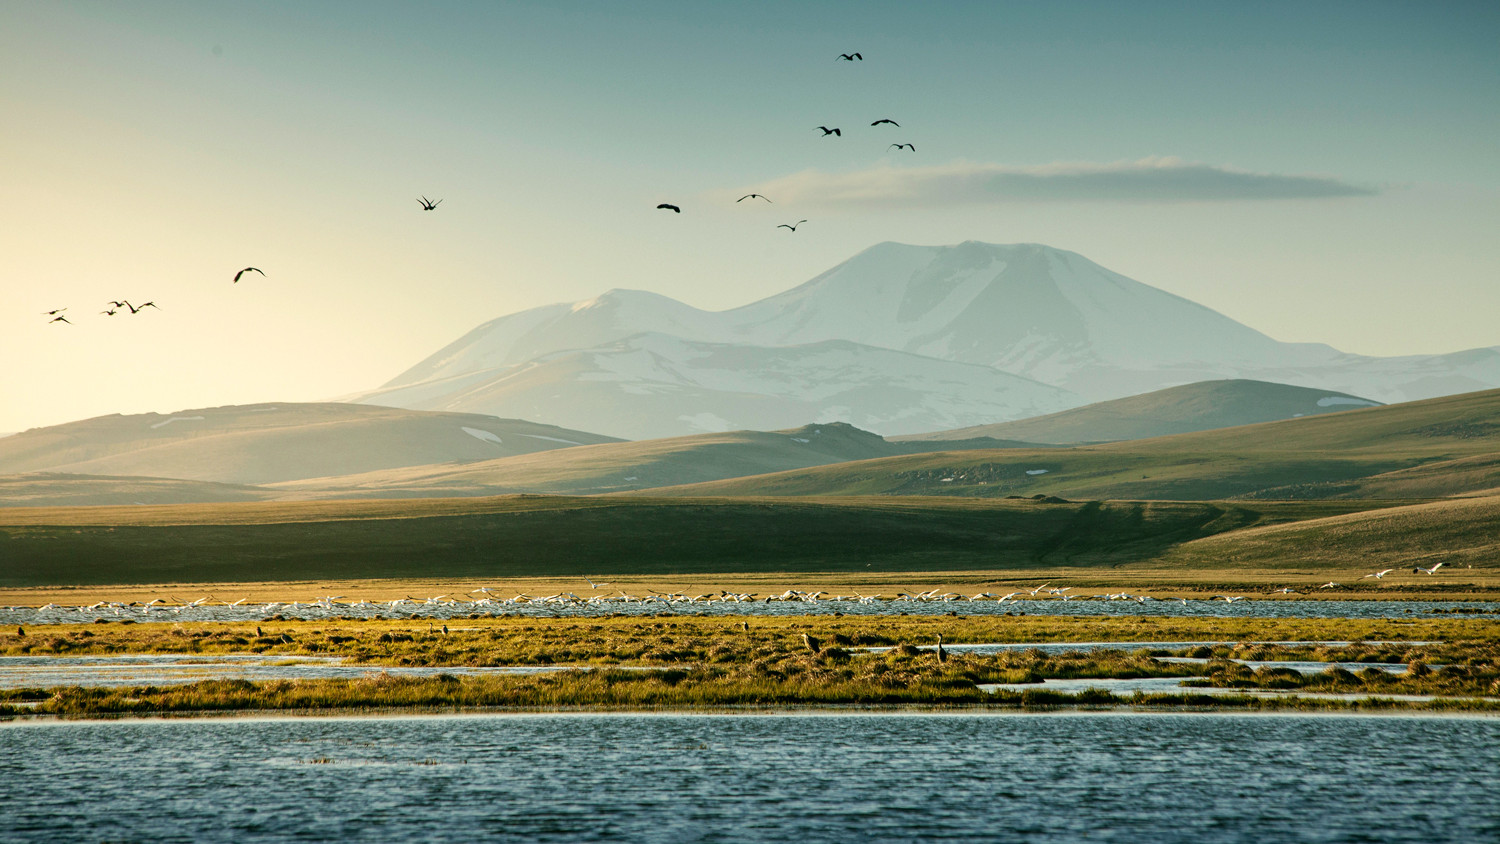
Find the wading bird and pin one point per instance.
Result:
(885, 120)
(912, 147)
(849, 57)
(792, 227)
(246, 270)
(834, 131)
(751, 196)
(942, 655)
(812, 644)
(428, 205)
(670, 207)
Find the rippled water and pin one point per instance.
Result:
(1202, 608)
(803, 778)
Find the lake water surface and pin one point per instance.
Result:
(1126, 777)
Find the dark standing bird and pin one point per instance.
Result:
(793, 228)
(427, 205)
(745, 626)
(246, 270)
(911, 147)
(751, 196)
(942, 655)
(60, 318)
(20, 631)
(257, 631)
(670, 207)
(885, 120)
(834, 131)
(849, 57)
(812, 644)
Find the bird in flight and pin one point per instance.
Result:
(912, 147)
(246, 270)
(834, 131)
(54, 312)
(60, 318)
(670, 207)
(427, 205)
(849, 57)
(751, 196)
(135, 309)
(1379, 574)
(110, 312)
(1432, 570)
(792, 227)
(885, 120)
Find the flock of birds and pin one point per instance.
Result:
(114, 307)
(828, 131)
(489, 600)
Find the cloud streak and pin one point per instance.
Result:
(1149, 180)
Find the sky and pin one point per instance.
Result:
(1323, 172)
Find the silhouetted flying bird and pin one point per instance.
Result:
(911, 147)
(670, 207)
(246, 270)
(751, 196)
(427, 205)
(849, 57)
(792, 227)
(885, 120)
(827, 131)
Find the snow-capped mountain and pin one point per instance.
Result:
(898, 339)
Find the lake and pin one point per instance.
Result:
(859, 777)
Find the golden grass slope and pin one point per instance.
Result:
(255, 444)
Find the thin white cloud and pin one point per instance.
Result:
(1158, 179)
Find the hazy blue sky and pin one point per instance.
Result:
(1320, 171)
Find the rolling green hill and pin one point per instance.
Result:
(1203, 406)
(1439, 447)
(626, 466)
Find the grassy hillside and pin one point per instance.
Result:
(1438, 447)
(616, 467)
(254, 444)
(529, 536)
(1458, 533)
(52, 489)
(1203, 406)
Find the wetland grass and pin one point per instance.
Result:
(696, 663)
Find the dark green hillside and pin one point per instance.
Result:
(531, 536)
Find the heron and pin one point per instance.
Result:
(942, 655)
